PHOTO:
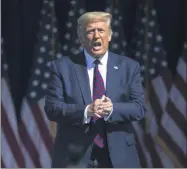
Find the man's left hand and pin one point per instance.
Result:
(107, 105)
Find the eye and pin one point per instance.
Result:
(101, 30)
(90, 31)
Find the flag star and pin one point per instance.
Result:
(33, 94)
(48, 26)
(159, 38)
(35, 83)
(37, 71)
(44, 86)
(40, 60)
(42, 49)
(47, 75)
(71, 13)
(45, 38)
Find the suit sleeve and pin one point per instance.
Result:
(55, 107)
(134, 109)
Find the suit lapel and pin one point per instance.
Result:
(112, 78)
(82, 77)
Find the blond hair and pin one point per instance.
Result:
(91, 16)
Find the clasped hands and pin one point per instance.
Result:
(100, 107)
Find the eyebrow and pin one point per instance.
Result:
(90, 29)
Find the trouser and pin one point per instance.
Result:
(100, 158)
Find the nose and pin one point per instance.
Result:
(96, 35)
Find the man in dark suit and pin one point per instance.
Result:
(93, 97)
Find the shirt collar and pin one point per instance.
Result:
(89, 59)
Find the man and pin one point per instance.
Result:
(93, 97)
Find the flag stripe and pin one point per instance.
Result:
(29, 145)
(140, 153)
(179, 119)
(44, 130)
(156, 161)
(155, 104)
(173, 146)
(139, 134)
(148, 148)
(181, 85)
(11, 138)
(182, 66)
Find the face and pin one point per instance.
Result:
(96, 37)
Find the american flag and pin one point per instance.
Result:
(118, 43)
(70, 43)
(155, 75)
(173, 129)
(34, 128)
(11, 154)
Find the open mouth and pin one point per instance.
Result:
(97, 46)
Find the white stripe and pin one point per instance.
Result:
(41, 104)
(33, 131)
(178, 100)
(181, 69)
(166, 161)
(29, 122)
(162, 95)
(140, 134)
(9, 108)
(28, 161)
(161, 91)
(6, 153)
(173, 130)
(45, 158)
(153, 126)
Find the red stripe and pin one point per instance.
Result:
(29, 145)
(173, 146)
(177, 117)
(11, 138)
(141, 156)
(44, 131)
(181, 85)
(155, 104)
(155, 158)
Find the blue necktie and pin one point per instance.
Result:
(98, 92)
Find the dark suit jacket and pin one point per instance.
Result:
(68, 95)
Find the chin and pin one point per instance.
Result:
(97, 54)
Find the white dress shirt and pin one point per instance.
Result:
(90, 69)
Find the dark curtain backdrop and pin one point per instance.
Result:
(20, 24)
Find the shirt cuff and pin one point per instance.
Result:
(86, 119)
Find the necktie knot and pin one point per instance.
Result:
(96, 62)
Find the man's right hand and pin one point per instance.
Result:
(90, 111)
(96, 108)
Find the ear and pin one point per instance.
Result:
(79, 35)
(110, 36)
(81, 40)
